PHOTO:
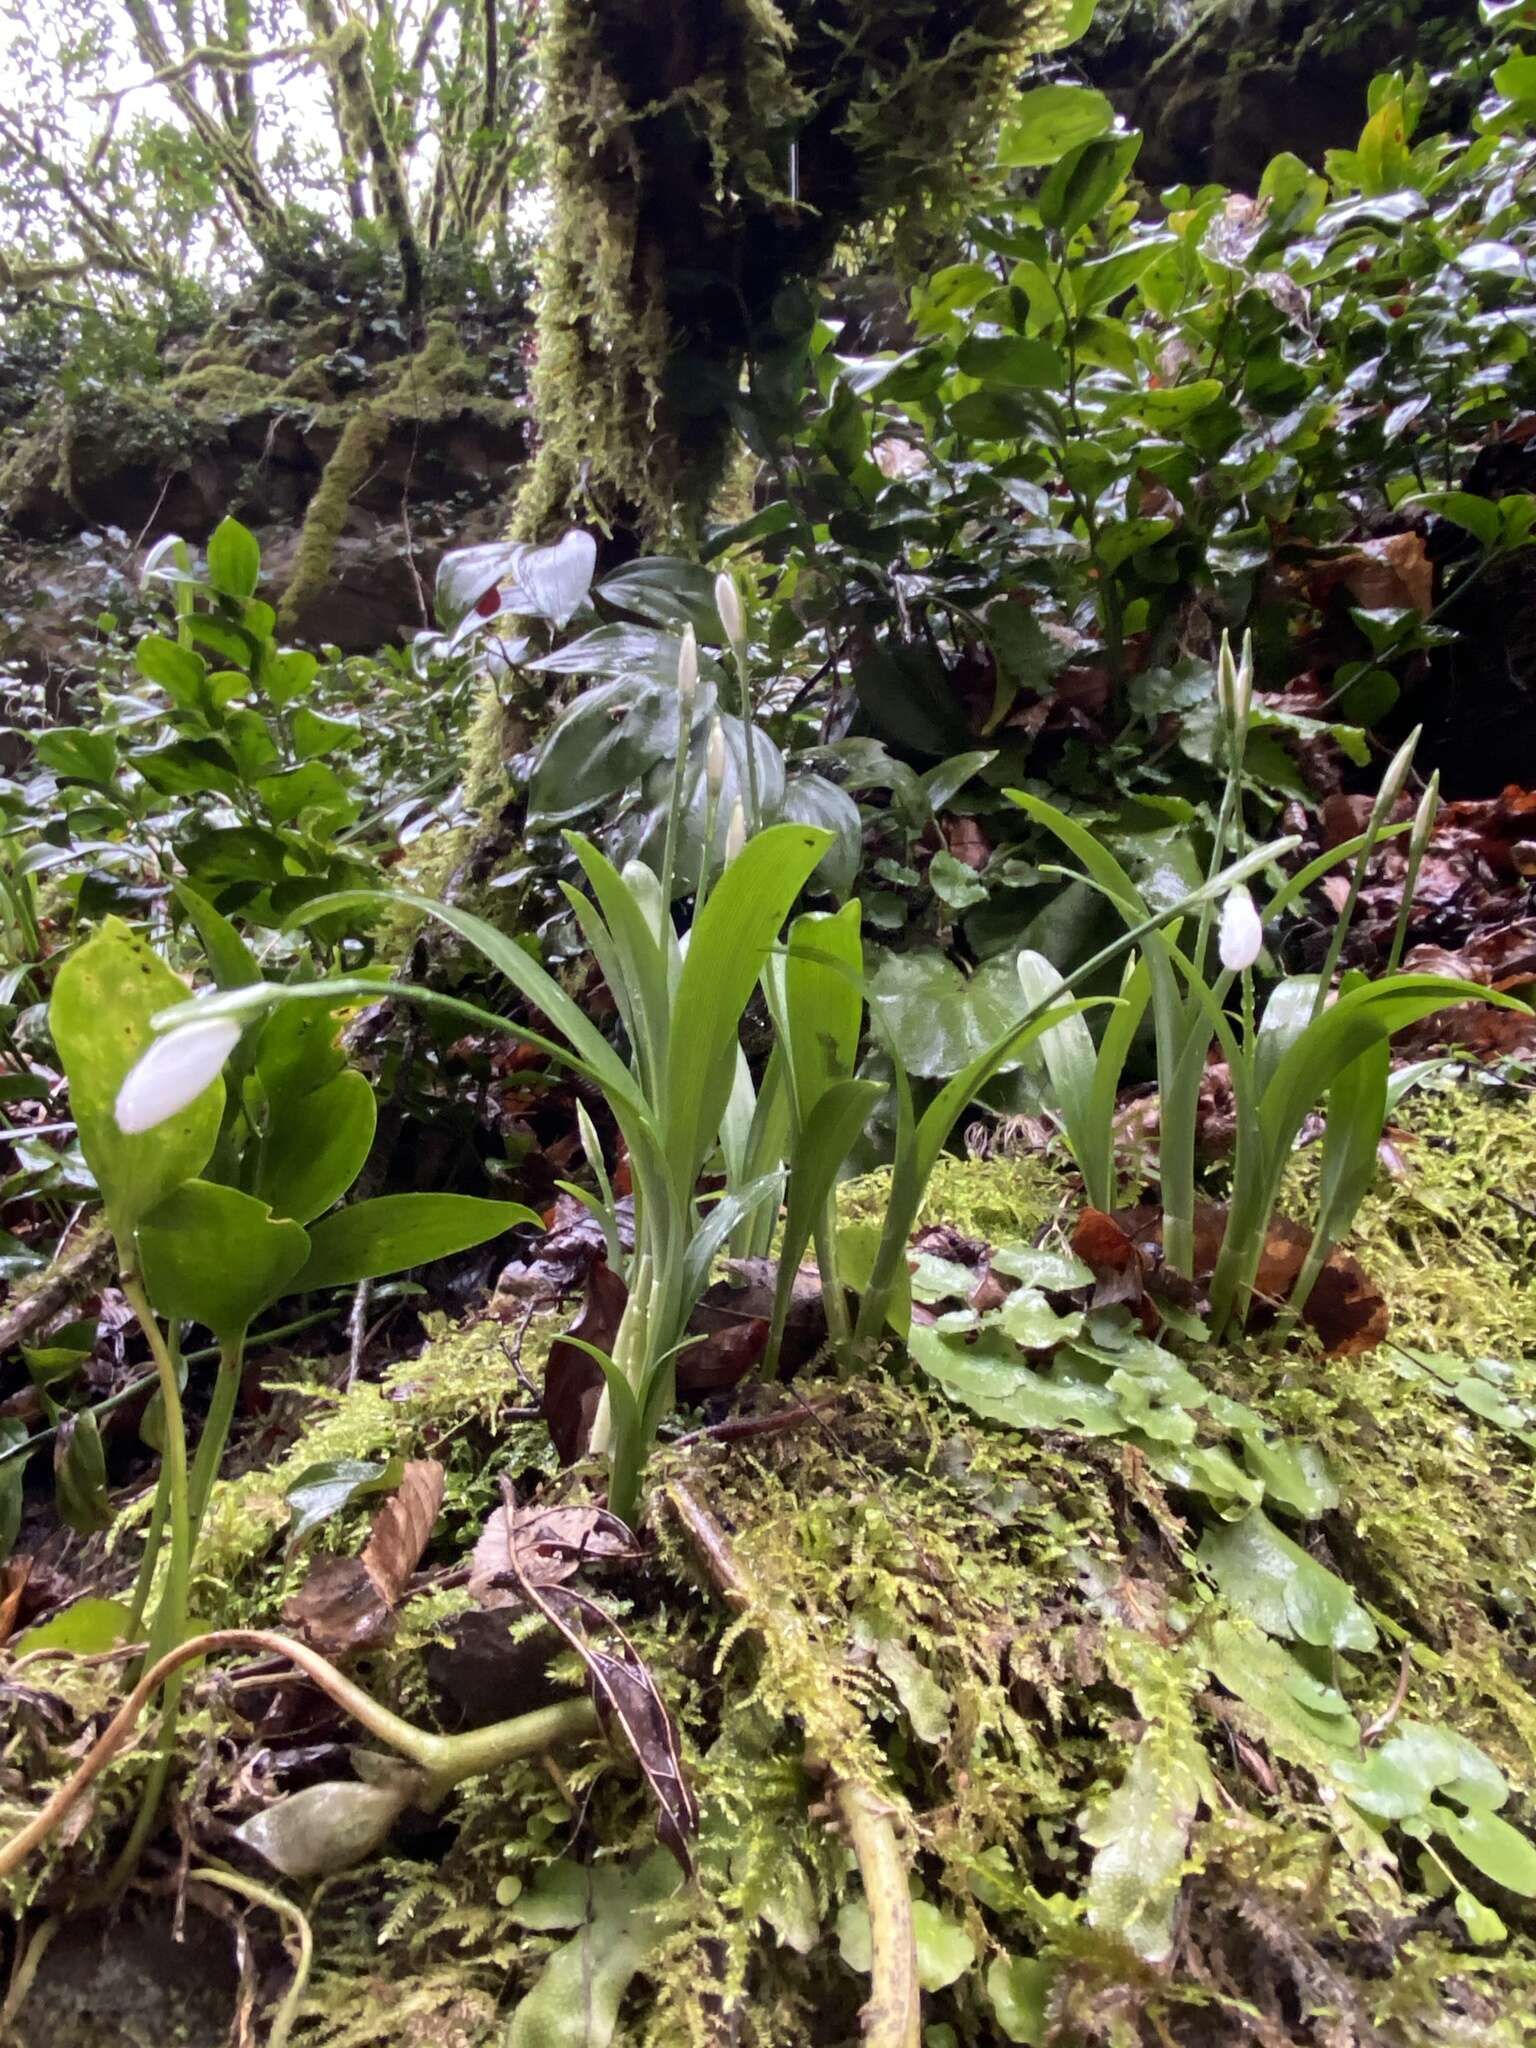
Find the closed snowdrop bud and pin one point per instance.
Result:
(173, 1073)
(728, 605)
(1234, 681)
(714, 758)
(688, 668)
(735, 832)
(1242, 931)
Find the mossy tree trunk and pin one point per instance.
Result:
(704, 161)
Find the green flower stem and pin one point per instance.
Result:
(674, 815)
(261, 1895)
(170, 1621)
(754, 806)
(171, 1614)
(445, 1760)
(835, 1301)
(210, 1451)
(154, 1535)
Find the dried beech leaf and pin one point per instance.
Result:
(552, 1545)
(713, 1364)
(1110, 1254)
(402, 1528)
(339, 1608)
(1389, 574)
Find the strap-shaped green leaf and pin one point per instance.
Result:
(726, 951)
(509, 959)
(816, 989)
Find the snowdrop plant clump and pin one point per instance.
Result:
(1316, 1044)
(221, 1155)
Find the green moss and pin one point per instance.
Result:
(995, 1627)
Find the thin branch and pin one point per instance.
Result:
(216, 59)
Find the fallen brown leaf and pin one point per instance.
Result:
(348, 1604)
(552, 1545)
(339, 1609)
(13, 1583)
(1110, 1254)
(1390, 573)
(626, 1696)
(402, 1527)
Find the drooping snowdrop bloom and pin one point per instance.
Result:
(728, 605)
(735, 832)
(174, 1072)
(688, 669)
(1242, 931)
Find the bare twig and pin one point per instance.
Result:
(81, 1271)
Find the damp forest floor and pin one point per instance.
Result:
(1171, 1762)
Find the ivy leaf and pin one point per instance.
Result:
(1017, 1987)
(575, 2003)
(1273, 1580)
(1140, 1831)
(940, 1019)
(1492, 1846)
(323, 1490)
(956, 886)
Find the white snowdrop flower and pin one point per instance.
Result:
(688, 668)
(728, 605)
(174, 1072)
(1242, 931)
(735, 832)
(714, 758)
